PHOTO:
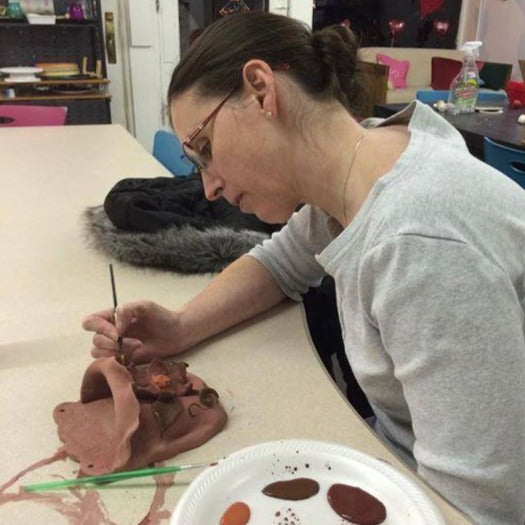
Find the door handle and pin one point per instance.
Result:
(109, 26)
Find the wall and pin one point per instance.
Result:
(502, 31)
(301, 10)
(279, 7)
(468, 21)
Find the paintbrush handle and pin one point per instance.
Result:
(106, 478)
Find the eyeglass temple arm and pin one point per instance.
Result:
(205, 121)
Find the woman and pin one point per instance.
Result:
(426, 245)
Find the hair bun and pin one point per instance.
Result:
(335, 43)
(336, 47)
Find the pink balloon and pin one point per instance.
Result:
(396, 26)
(441, 26)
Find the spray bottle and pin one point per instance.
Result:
(464, 89)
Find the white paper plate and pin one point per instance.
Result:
(20, 78)
(21, 70)
(21, 74)
(243, 475)
(35, 18)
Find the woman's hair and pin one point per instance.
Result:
(323, 63)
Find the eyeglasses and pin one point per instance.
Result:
(193, 155)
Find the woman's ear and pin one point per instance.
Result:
(259, 81)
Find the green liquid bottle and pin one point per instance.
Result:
(464, 89)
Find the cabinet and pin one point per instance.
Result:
(73, 41)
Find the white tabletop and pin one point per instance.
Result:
(270, 380)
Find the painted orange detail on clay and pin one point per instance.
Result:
(160, 381)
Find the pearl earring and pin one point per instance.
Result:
(267, 114)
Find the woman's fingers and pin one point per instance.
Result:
(97, 352)
(106, 314)
(126, 315)
(139, 355)
(104, 343)
(101, 323)
(111, 348)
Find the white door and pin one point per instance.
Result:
(117, 63)
(147, 42)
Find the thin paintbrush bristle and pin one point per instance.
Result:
(113, 287)
(115, 304)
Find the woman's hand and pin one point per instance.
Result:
(148, 330)
(243, 290)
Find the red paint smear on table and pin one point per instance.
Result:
(156, 514)
(88, 508)
(58, 455)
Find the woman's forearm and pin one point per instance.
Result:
(243, 290)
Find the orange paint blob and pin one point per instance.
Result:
(237, 513)
(160, 381)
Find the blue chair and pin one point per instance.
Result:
(167, 149)
(486, 96)
(429, 96)
(510, 161)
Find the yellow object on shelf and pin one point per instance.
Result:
(58, 69)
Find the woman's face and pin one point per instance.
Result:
(244, 151)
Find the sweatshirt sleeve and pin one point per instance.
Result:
(289, 255)
(451, 321)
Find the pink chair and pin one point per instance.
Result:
(18, 115)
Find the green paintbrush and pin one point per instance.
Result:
(107, 478)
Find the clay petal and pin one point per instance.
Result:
(180, 384)
(95, 383)
(141, 375)
(108, 412)
(157, 368)
(182, 389)
(166, 413)
(145, 393)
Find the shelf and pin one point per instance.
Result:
(100, 81)
(13, 22)
(86, 96)
(93, 96)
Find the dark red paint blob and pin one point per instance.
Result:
(293, 489)
(356, 505)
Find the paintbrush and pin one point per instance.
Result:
(115, 304)
(107, 478)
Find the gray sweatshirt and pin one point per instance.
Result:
(430, 283)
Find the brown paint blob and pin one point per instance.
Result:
(356, 505)
(237, 513)
(294, 489)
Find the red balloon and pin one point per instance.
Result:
(396, 26)
(441, 26)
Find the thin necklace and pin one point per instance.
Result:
(356, 148)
